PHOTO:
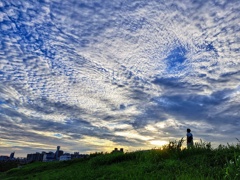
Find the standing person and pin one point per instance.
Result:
(189, 138)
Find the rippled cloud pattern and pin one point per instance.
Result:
(94, 75)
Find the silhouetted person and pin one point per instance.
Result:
(189, 138)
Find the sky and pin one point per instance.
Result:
(94, 75)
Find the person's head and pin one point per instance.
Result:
(188, 130)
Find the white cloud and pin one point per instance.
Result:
(133, 134)
(100, 65)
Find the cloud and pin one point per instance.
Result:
(89, 74)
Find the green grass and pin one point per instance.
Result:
(199, 162)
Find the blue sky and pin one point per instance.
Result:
(94, 75)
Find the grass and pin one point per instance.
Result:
(169, 162)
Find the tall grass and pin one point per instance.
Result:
(168, 162)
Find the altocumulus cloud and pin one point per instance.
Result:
(91, 76)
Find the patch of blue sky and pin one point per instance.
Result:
(2, 101)
(58, 135)
(176, 59)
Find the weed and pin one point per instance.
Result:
(232, 168)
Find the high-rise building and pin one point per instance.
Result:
(58, 153)
(12, 155)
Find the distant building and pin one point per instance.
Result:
(12, 156)
(65, 157)
(58, 153)
(47, 157)
(117, 151)
(4, 158)
(76, 155)
(50, 156)
(35, 157)
(7, 158)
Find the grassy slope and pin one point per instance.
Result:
(169, 163)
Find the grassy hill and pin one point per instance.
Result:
(169, 162)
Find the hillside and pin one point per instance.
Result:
(169, 162)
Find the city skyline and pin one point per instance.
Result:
(56, 153)
(94, 75)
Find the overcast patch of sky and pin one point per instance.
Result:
(117, 73)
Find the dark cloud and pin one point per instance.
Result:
(190, 107)
(45, 106)
(176, 85)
